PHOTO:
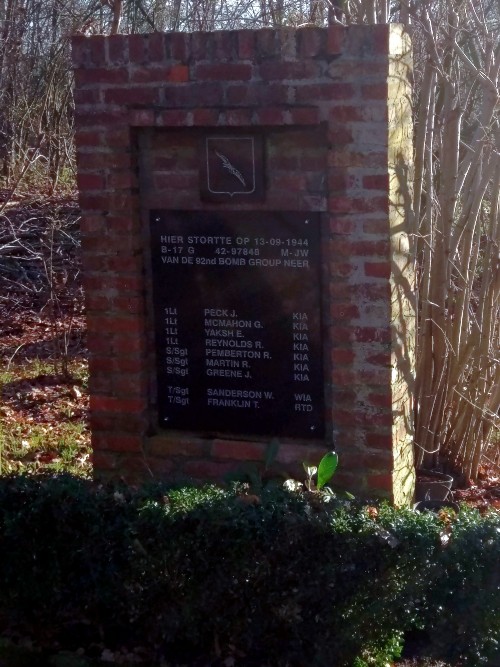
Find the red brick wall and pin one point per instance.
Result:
(322, 98)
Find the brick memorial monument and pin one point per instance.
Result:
(246, 256)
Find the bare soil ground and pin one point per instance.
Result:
(43, 410)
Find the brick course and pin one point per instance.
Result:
(332, 105)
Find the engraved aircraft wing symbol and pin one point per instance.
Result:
(226, 164)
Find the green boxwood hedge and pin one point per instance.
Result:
(206, 573)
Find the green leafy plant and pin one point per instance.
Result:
(323, 472)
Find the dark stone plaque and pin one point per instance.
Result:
(238, 324)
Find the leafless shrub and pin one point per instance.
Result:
(40, 268)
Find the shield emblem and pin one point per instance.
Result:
(232, 168)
